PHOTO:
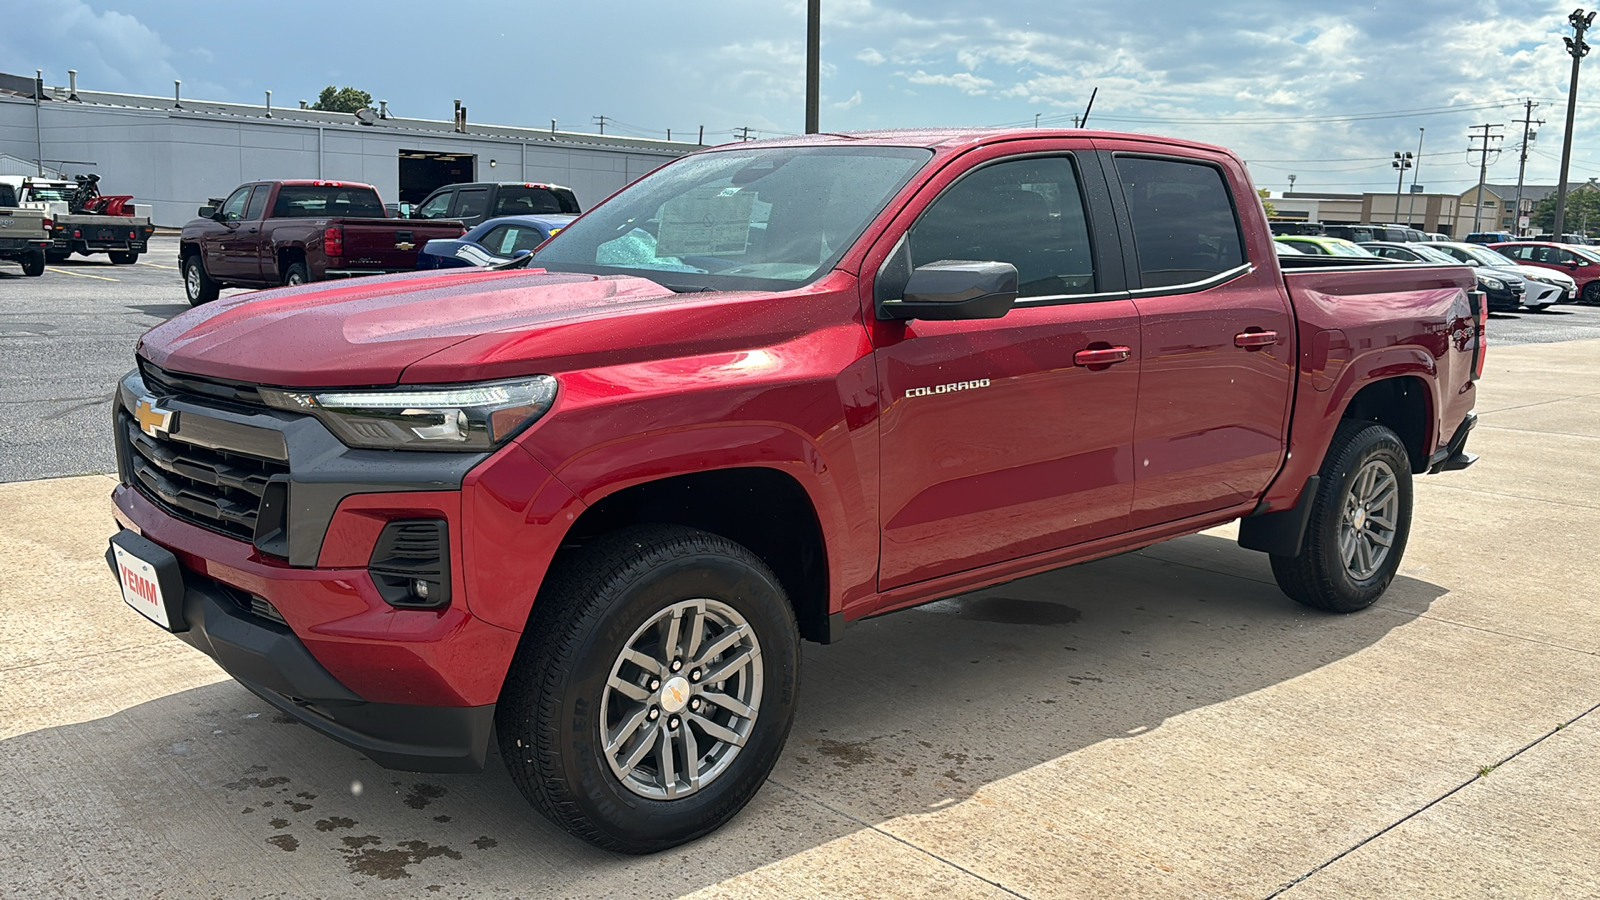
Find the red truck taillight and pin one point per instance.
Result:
(333, 240)
(1480, 317)
(49, 224)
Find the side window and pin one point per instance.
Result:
(436, 207)
(1518, 252)
(8, 196)
(233, 207)
(526, 239)
(1027, 212)
(496, 238)
(258, 203)
(1184, 227)
(471, 203)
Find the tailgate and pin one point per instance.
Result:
(390, 243)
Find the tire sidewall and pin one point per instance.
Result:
(294, 269)
(1375, 442)
(603, 799)
(194, 280)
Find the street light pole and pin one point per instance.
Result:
(1402, 162)
(1416, 170)
(813, 62)
(1578, 49)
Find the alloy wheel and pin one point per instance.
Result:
(1367, 528)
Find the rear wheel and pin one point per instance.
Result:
(33, 264)
(196, 283)
(1360, 519)
(124, 257)
(653, 690)
(297, 273)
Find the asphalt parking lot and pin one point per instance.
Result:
(1159, 724)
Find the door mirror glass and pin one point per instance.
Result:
(405, 210)
(208, 212)
(955, 289)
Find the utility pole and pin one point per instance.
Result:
(1528, 121)
(1411, 206)
(601, 120)
(744, 132)
(1483, 167)
(1578, 49)
(1402, 162)
(1291, 183)
(813, 62)
(38, 129)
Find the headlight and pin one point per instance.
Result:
(1492, 283)
(464, 417)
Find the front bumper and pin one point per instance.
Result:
(1503, 299)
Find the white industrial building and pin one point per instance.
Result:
(175, 153)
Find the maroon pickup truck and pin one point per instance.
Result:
(770, 389)
(272, 233)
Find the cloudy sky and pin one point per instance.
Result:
(1326, 91)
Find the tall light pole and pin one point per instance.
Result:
(813, 62)
(1401, 162)
(1578, 49)
(1291, 183)
(1411, 207)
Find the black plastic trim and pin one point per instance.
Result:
(1281, 533)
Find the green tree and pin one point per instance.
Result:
(345, 100)
(1583, 205)
(1265, 203)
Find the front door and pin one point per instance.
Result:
(1218, 340)
(998, 439)
(235, 259)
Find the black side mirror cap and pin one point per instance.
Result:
(207, 212)
(955, 289)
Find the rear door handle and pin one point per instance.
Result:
(1255, 340)
(1104, 357)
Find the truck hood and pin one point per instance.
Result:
(368, 331)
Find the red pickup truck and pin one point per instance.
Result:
(765, 391)
(272, 233)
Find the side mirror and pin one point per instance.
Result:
(521, 253)
(207, 212)
(405, 210)
(955, 289)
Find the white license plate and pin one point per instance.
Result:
(141, 589)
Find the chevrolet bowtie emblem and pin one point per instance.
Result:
(153, 420)
(405, 245)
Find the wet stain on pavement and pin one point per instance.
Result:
(484, 842)
(1012, 611)
(423, 794)
(279, 823)
(334, 823)
(285, 842)
(298, 807)
(390, 865)
(441, 819)
(248, 782)
(356, 842)
(846, 754)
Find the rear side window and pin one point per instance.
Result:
(316, 201)
(8, 195)
(471, 203)
(258, 203)
(523, 200)
(508, 239)
(1027, 212)
(1184, 227)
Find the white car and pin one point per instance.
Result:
(1544, 286)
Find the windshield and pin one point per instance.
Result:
(1432, 254)
(1474, 253)
(1588, 253)
(754, 219)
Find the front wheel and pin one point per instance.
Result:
(1360, 519)
(653, 690)
(33, 264)
(124, 257)
(1591, 292)
(196, 283)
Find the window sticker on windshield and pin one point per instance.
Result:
(706, 222)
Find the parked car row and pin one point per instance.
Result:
(1529, 275)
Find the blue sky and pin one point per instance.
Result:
(1326, 91)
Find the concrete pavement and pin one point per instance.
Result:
(1160, 724)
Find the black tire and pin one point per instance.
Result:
(1591, 292)
(1319, 576)
(297, 273)
(57, 257)
(124, 257)
(550, 722)
(33, 264)
(196, 283)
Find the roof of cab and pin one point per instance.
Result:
(956, 138)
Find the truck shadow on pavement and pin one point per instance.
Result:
(211, 790)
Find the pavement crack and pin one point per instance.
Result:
(900, 840)
(1482, 774)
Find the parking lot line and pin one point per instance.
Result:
(82, 274)
(159, 266)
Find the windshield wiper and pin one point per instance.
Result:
(686, 289)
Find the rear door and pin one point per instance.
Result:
(470, 205)
(995, 443)
(1217, 334)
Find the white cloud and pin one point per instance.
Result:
(871, 57)
(966, 82)
(852, 103)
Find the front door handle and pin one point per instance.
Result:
(1255, 340)
(1103, 357)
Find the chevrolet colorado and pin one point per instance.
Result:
(591, 505)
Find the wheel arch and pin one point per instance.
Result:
(764, 509)
(1403, 403)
